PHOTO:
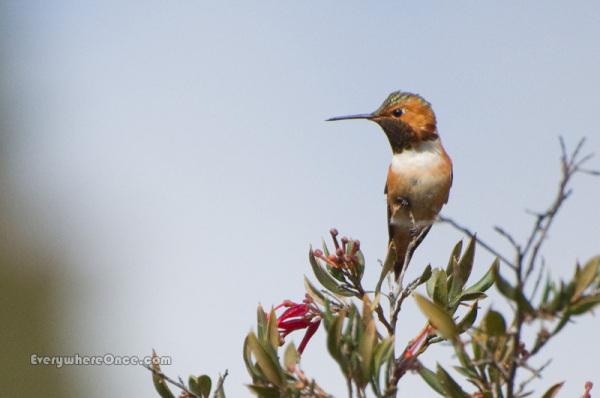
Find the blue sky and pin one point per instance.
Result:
(176, 154)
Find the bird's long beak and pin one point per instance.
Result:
(348, 117)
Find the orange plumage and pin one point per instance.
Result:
(420, 174)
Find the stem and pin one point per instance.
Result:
(525, 262)
(349, 386)
(166, 378)
(378, 310)
(220, 383)
(480, 242)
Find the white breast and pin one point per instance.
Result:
(423, 156)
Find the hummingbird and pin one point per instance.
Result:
(420, 174)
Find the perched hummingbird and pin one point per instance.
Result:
(420, 175)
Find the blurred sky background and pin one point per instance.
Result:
(169, 164)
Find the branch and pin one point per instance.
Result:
(220, 383)
(535, 374)
(508, 237)
(400, 299)
(570, 165)
(480, 242)
(166, 378)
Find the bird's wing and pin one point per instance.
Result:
(449, 185)
(389, 213)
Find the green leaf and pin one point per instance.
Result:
(388, 265)
(512, 293)
(584, 305)
(266, 360)
(454, 256)
(568, 292)
(468, 320)
(466, 261)
(494, 323)
(325, 249)
(326, 280)
(368, 308)
(559, 300)
(334, 336)
(465, 296)
(261, 322)
(486, 281)
(272, 335)
(462, 270)
(425, 275)
(351, 327)
(548, 287)
(313, 292)
(160, 385)
(366, 345)
(587, 275)
(431, 283)
(451, 388)
(200, 385)
(463, 357)
(468, 373)
(382, 354)
(476, 349)
(220, 391)
(438, 286)
(431, 379)
(552, 391)
(360, 258)
(438, 317)
(504, 287)
(336, 273)
(470, 296)
(564, 319)
(264, 391)
(247, 355)
(291, 357)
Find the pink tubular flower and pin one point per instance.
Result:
(299, 316)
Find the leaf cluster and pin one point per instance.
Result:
(273, 376)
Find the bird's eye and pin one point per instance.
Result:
(397, 112)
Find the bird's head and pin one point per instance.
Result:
(405, 118)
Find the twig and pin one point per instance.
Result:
(480, 242)
(538, 279)
(400, 299)
(508, 237)
(527, 258)
(570, 165)
(379, 310)
(535, 374)
(383, 320)
(349, 386)
(178, 384)
(220, 383)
